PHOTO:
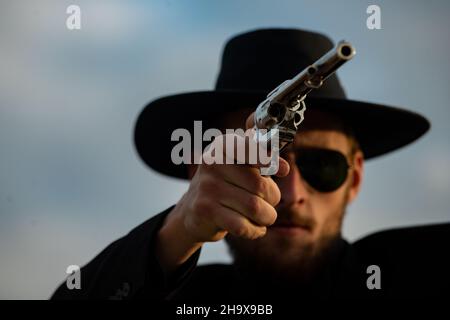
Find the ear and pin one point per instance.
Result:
(356, 176)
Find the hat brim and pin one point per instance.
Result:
(379, 129)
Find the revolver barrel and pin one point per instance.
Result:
(284, 106)
(314, 75)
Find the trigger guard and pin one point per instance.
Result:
(301, 112)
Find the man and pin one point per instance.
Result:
(284, 232)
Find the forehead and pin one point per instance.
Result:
(321, 138)
(322, 129)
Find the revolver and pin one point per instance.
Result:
(284, 107)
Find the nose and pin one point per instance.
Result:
(294, 189)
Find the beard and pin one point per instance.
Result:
(290, 261)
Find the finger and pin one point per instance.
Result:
(237, 149)
(283, 168)
(248, 204)
(250, 180)
(236, 224)
(232, 149)
(250, 122)
(243, 149)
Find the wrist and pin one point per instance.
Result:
(174, 244)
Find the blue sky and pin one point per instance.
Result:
(71, 181)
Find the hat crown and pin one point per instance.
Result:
(260, 60)
(253, 64)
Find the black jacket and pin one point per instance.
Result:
(414, 262)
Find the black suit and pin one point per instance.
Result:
(414, 262)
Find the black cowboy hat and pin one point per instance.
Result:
(253, 64)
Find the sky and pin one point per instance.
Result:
(70, 179)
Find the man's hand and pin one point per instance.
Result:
(221, 198)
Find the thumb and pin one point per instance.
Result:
(250, 122)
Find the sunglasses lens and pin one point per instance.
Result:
(324, 170)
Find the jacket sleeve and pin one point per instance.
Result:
(128, 269)
(413, 262)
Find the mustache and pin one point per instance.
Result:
(294, 218)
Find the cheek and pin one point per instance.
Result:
(329, 208)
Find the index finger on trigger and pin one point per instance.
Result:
(250, 122)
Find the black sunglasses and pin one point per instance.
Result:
(323, 169)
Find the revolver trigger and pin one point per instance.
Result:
(299, 114)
